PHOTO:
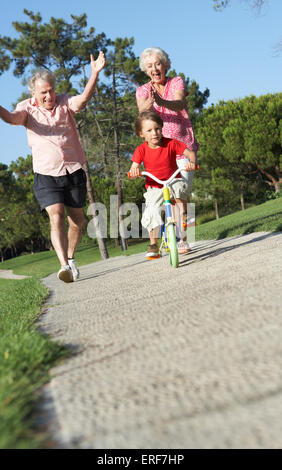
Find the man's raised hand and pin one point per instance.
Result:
(98, 64)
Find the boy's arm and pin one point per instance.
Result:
(134, 170)
(192, 157)
(16, 117)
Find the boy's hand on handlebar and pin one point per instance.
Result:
(134, 173)
(190, 166)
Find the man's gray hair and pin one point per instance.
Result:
(162, 55)
(41, 74)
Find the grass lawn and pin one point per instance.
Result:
(26, 356)
(44, 263)
(266, 217)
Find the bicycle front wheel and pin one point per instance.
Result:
(173, 252)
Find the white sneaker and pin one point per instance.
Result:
(74, 268)
(65, 274)
(183, 247)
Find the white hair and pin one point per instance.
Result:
(162, 55)
(41, 74)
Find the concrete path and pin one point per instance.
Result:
(170, 358)
(8, 274)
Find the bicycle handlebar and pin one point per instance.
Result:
(169, 180)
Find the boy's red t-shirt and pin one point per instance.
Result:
(161, 162)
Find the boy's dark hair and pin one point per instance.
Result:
(151, 115)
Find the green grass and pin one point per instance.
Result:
(266, 217)
(44, 263)
(25, 359)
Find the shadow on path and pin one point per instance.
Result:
(189, 258)
(112, 270)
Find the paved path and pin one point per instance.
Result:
(8, 274)
(170, 358)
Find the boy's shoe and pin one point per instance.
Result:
(74, 268)
(183, 248)
(65, 274)
(153, 252)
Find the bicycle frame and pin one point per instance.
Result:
(168, 243)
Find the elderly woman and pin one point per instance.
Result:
(166, 96)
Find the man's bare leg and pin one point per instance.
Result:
(59, 240)
(76, 221)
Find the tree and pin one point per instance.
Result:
(59, 46)
(219, 5)
(262, 137)
(242, 139)
(196, 99)
(22, 228)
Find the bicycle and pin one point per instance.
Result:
(168, 235)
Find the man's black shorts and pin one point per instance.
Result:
(69, 189)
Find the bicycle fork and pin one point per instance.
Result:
(169, 221)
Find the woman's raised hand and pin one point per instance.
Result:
(155, 96)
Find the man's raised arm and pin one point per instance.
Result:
(79, 102)
(16, 117)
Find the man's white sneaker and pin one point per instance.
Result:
(65, 274)
(74, 268)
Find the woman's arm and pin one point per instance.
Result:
(144, 104)
(177, 104)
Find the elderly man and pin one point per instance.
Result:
(59, 180)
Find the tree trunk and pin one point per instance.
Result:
(216, 209)
(270, 177)
(117, 159)
(242, 202)
(101, 241)
(104, 140)
(104, 159)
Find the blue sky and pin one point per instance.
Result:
(232, 53)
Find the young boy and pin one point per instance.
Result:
(158, 155)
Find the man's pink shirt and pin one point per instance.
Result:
(53, 136)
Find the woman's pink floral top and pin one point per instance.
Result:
(177, 124)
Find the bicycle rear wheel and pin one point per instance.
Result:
(173, 252)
